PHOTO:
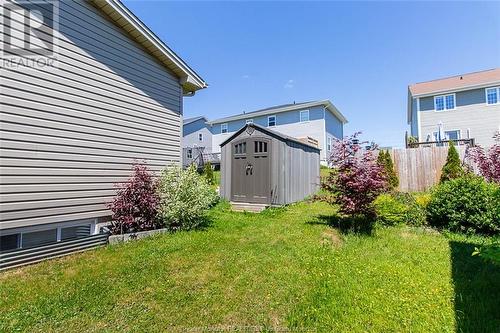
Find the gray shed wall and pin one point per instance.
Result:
(69, 134)
(294, 169)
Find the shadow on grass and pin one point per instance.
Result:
(347, 225)
(477, 290)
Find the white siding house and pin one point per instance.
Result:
(70, 133)
(465, 106)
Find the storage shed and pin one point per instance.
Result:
(261, 166)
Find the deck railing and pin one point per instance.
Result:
(457, 142)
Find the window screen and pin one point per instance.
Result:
(9, 242)
(37, 238)
(75, 232)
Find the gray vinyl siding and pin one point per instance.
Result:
(70, 134)
(414, 118)
(190, 136)
(463, 98)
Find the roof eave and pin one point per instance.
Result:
(123, 17)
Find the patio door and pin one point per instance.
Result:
(251, 170)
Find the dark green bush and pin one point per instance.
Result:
(385, 161)
(400, 208)
(468, 204)
(208, 171)
(452, 168)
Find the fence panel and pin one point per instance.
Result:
(419, 169)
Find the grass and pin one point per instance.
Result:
(283, 268)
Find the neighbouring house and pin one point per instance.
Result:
(460, 107)
(69, 134)
(197, 142)
(317, 123)
(262, 167)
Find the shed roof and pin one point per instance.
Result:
(272, 133)
(283, 108)
(125, 19)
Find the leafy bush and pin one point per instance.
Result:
(208, 172)
(356, 179)
(490, 253)
(384, 159)
(488, 162)
(452, 168)
(468, 204)
(135, 205)
(400, 208)
(185, 197)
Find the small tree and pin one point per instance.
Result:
(356, 179)
(488, 162)
(209, 173)
(452, 168)
(384, 160)
(185, 196)
(135, 205)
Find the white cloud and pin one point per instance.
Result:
(289, 84)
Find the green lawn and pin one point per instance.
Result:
(283, 268)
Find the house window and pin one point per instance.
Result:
(10, 242)
(329, 143)
(492, 95)
(304, 116)
(445, 102)
(200, 136)
(38, 238)
(448, 135)
(249, 121)
(75, 232)
(271, 121)
(189, 153)
(223, 128)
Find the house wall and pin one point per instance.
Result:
(70, 134)
(287, 123)
(334, 130)
(190, 136)
(471, 113)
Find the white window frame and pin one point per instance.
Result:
(223, 127)
(189, 153)
(434, 134)
(444, 102)
(200, 137)
(486, 95)
(329, 143)
(249, 121)
(300, 116)
(269, 118)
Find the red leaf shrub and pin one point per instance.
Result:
(487, 161)
(135, 206)
(356, 179)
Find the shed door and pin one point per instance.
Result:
(251, 170)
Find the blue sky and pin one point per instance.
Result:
(360, 55)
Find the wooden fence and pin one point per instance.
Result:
(419, 169)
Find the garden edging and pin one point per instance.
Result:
(116, 239)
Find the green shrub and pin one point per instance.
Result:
(452, 168)
(185, 196)
(385, 161)
(208, 172)
(400, 208)
(467, 204)
(389, 210)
